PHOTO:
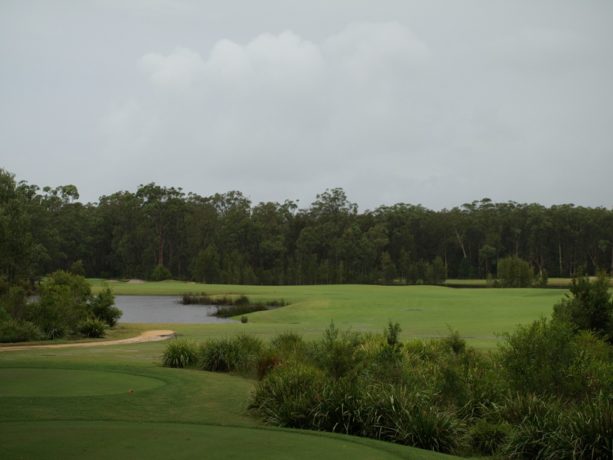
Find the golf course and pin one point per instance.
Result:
(118, 401)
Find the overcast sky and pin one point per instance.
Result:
(431, 102)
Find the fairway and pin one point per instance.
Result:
(77, 403)
(103, 440)
(480, 315)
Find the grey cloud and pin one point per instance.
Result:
(406, 101)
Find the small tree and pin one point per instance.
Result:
(160, 273)
(514, 272)
(589, 306)
(103, 309)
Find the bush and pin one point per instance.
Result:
(538, 359)
(588, 429)
(536, 422)
(92, 327)
(338, 354)
(160, 273)
(394, 413)
(239, 354)
(486, 437)
(102, 306)
(589, 306)
(514, 272)
(62, 305)
(12, 330)
(548, 429)
(289, 395)
(180, 353)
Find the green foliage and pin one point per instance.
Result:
(180, 353)
(102, 307)
(62, 304)
(160, 273)
(486, 437)
(514, 272)
(92, 327)
(588, 430)
(77, 268)
(589, 306)
(12, 330)
(288, 396)
(394, 413)
(239, 354)
(455, 342)
(339, 353)
(538, 358)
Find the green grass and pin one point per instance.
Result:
(182, 441)
(422, 311)
(90, 412)
(118, 402)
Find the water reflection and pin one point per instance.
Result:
(163, 309)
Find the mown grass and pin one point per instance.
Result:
(210, 409)
(138, 409)
(422, 311)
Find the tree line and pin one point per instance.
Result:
(157, 232)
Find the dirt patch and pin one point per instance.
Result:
(147, 336)
(135, 281)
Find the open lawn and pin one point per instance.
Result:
(422, 311)
(118, 402)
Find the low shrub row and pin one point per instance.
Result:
(439, 395)
(228, 306)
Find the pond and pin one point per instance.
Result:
(163, 309)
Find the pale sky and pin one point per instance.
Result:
(431, 102)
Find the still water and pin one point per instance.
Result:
(163, 309)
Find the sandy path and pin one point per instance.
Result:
(147, 336)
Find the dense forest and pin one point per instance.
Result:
(157, 231)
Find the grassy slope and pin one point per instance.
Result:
(192, 412)
(422, 311)
(117, 402)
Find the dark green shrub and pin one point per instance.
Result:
(537, 358)
(241, 301)
(266, 362)
(221, 355)
(19, 331)
(77, 268)
(455, 342)
(92, 327)
(239, 354)
(288, 343)
(244, 319)
(536, 423)
(102, 306)
(394, 413)
(514, 272)
(160, 273)
(589, 306)
(588, 429)
(235, 310)
(339, 407)
(486, 437)
(62, 304)
(338, 354)
(180, 353)
(289, 395)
